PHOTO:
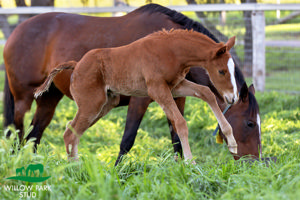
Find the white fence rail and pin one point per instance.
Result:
(258, 24)
(195, 8)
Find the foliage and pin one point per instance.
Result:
(149, 170)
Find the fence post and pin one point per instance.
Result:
(258, 41)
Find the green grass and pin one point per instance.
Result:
(149, 170)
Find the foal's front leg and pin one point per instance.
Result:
(187, 88)
(161, 93)
(180, 102)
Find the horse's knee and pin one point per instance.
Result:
(181, 128)
(69, 136)
(21, 107)
(207, 95)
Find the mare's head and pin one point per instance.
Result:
(221, 68)
(245, 121)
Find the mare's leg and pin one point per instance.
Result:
(161, 93)
(22, 105)
(187, 88)
(46, 105)
(136, 110)
(180, 102)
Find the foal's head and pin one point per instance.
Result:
(220, 67)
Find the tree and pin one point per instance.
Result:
(7, 28)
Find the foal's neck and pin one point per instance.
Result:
(193, 51)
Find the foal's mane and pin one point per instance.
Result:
(184, 33)
(178, 18)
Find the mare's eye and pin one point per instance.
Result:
(222, 72)
(250, 124)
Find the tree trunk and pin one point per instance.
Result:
(212, 28)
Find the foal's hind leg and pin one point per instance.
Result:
(89, 107)
(86, 117)
(187, 88)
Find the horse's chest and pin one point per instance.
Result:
(177, 77)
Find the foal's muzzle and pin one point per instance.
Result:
(231, 98)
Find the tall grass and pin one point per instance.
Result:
(149, 170)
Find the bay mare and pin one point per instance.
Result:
(36, 46)
(154, 66)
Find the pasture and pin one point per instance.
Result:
(149, 170)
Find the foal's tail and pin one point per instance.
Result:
(45, 86)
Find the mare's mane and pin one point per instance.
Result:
(239, 77)
(178, 18)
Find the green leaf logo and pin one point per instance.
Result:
(31, 173)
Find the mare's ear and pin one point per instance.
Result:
(230, 43)
(244, 92)
(252, 89)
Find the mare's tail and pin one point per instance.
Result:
(9, 105)
(45, 86)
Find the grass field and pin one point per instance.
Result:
(149, 170)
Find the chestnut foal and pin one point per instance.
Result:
(153, 66)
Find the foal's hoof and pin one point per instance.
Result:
(73, 159)
(233, 149)
(190, 162)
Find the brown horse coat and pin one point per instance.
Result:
(153, 66)
(40, 43)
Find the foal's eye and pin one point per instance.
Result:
(250, 124)
(222, 72)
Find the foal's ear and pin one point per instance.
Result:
(252, 89)
(230, 43)
(244, 92)
(221, 51)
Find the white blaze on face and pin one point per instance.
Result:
(259, 129)
(230, 65)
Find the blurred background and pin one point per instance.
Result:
(280, 30)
